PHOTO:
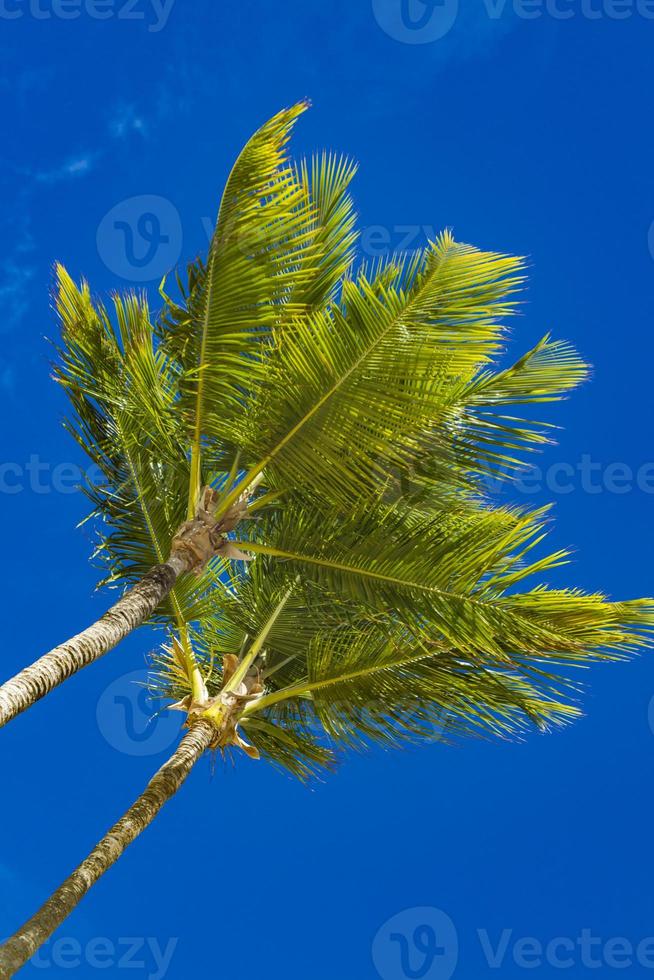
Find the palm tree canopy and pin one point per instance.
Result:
(352, 413)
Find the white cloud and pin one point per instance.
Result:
(126, 120)
(76, 166)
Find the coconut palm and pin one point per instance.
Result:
(384, 361)
(149, 416)
(334, 426)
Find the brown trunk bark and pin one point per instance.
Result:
(135, 607)
(23, 945)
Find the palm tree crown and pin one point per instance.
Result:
(333, 421)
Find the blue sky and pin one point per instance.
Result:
(525, 127)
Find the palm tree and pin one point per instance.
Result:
(152, 443)
(334, 425)
(162, 419)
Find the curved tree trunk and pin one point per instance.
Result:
(23, 945)
(134, 608)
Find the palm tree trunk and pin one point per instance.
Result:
(23, 945)
(134, 608)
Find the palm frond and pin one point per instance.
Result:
(385, 381)
(380, 684)
(325, 180)
(426, 568)
(262, 231)
(123, 392)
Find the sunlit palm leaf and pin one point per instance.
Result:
(123, 392)
(255, 260)
(386, 381)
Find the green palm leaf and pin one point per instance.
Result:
(385, 381)
(255, 259)
(124, 393)
(325, 181)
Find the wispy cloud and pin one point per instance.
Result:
(7, 378)
(77, 166)
(14, 301)
(24, 82)
(125, 120)
(15, 281)
(12, 888)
